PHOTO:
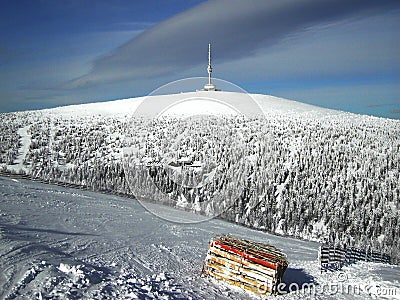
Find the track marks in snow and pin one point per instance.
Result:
(57, 245)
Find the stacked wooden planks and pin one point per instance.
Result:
(255, 267)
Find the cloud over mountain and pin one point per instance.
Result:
(235, 28)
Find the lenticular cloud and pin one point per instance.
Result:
(235, 28)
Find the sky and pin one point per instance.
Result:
(340, 54)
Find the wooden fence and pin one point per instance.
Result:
(334, 258)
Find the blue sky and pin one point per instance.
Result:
(332, 53)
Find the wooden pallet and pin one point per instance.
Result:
(255, 267)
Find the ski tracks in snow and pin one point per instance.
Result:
(79, 244)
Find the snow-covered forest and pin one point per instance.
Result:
(330, 177)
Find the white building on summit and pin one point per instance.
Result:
(209, 86)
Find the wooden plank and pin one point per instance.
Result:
(258, 249)
(265, 263)
(260, 289)
(240, 261)
(250, 265)
(236, 277)
(262, 251)
(256, 275)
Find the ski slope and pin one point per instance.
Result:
(64, 243)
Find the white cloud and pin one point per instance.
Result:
(366, 47)
(236, 29)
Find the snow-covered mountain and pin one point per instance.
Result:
(306, 171)
(269, 104)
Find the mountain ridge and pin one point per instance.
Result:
(129, 105)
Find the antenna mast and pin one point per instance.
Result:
(209, 68)
(209, 86)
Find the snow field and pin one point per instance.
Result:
(74, 244)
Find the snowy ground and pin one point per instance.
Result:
(65, 243)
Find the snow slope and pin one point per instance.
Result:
(65, 243)
(107, 108)
(269, 104)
